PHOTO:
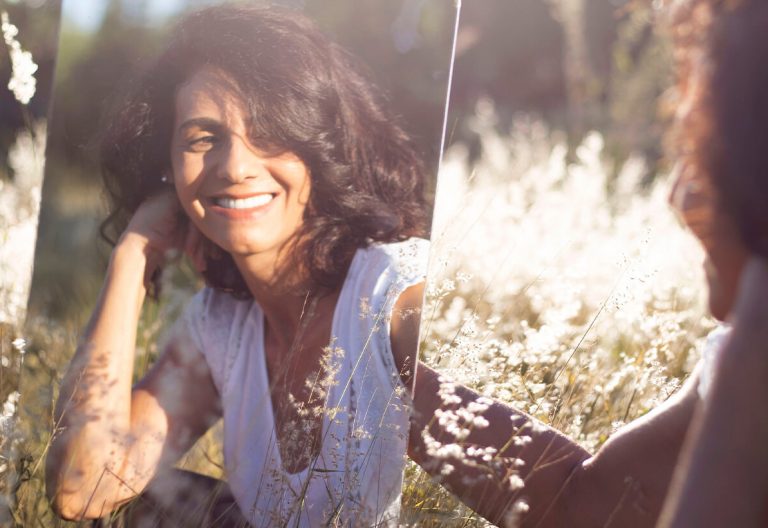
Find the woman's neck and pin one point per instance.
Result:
(284, 294)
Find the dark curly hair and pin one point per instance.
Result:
(303, 93)
(721, 50)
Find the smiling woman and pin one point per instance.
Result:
(297, 93)
(247, 199)
(300, 199)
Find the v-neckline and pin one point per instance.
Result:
(264, 373)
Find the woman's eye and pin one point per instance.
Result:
(202, 143)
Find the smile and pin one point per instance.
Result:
(251, 202)
(245, 208)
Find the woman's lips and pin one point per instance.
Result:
(242, 207)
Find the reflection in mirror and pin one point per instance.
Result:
(564, 298)
(266, 196)
(27, 54)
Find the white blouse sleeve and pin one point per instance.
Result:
(710, 357)
(197, 322)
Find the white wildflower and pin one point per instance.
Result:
(8, 414)
(514, 513)
(516, 483)
(19, 206)
(19, 344)
(522, 440)
(23, 82)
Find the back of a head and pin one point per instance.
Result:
(722, 49)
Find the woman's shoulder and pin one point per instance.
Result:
(211, 300)
(211, 310)
(381, 272)
(710, 356)
(214, 320)
(405, 249)
(408, 258)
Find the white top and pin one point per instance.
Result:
(357, 477)
(710, 358)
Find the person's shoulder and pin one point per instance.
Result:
(209, 305)
(381, 272)
(710, 356)
(409, 248)
(407, 257)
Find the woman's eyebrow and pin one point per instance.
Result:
(200, 122)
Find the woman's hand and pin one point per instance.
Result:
(158, 227)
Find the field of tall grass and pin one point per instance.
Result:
(560, 283)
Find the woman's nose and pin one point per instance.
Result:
(240, 161)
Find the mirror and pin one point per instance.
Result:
(298, 177)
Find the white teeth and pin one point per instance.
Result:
(244, 203)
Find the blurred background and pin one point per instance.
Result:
(578, 65)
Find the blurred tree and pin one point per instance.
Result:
(578, 64)
(580, 82)
(91, 69)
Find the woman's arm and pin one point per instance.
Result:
(721, 478)
(110, 438)
(623, 485)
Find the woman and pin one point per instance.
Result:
(299, 198)
(721, 479)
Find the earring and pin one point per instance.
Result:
(165, 178)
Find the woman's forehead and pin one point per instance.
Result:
(208, 93)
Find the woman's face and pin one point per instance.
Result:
(693, 198)
(248, 199)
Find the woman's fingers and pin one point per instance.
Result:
(157, 226)
(156, 221)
